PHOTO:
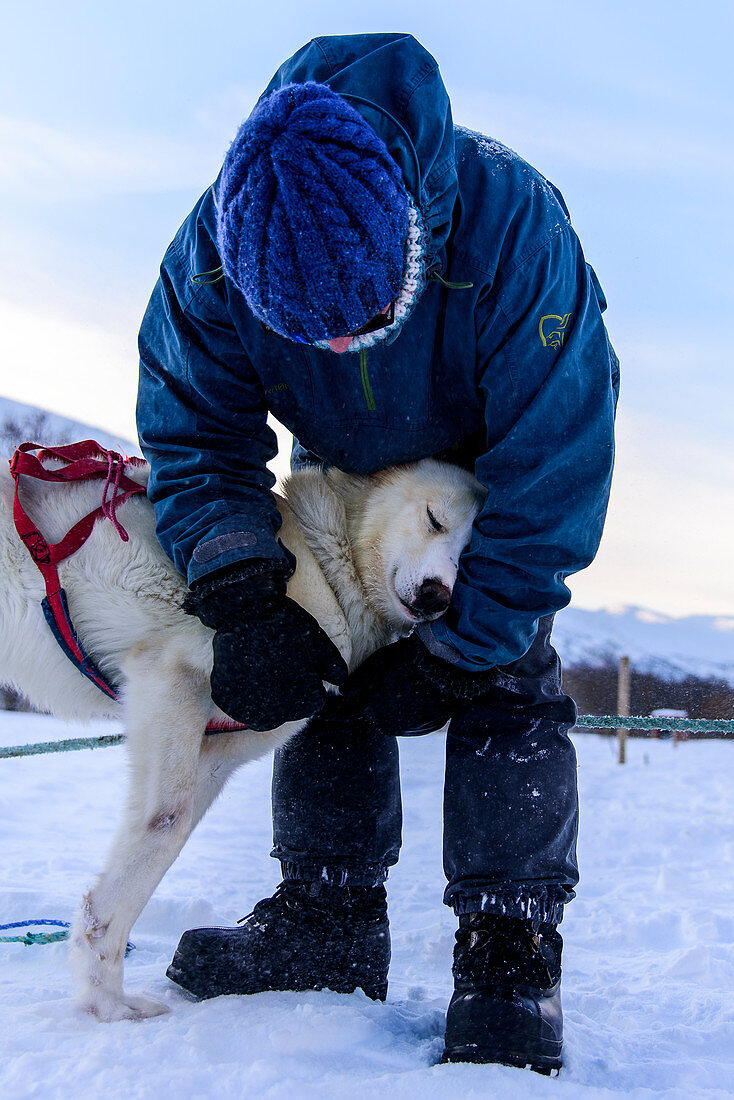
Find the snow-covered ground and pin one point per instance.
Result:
(649, 959)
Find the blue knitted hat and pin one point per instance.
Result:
(313, 215)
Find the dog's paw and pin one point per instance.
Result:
(107, 1008)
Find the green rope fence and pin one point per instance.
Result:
(584, 721)
(70, 745)
(630, 722)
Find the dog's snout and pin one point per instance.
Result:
(432, 597)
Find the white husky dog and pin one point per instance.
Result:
(375, 555)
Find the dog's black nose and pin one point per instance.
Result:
(432, 598)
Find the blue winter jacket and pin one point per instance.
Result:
(511, 365)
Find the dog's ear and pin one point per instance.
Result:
(384, 477)
(346, 485)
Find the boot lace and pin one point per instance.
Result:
(504, 950)
(332, 904)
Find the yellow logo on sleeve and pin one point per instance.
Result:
(552, 329)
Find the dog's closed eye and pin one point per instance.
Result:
(436, 526)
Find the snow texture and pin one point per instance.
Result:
(649, 957)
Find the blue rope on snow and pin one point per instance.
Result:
(42, 937)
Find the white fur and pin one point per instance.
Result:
(363, 547)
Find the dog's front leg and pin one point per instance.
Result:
(167, 714)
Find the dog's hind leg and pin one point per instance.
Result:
(167, 708)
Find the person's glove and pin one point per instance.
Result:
(404, 689)
(270, 656)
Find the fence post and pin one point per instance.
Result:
(623, 704)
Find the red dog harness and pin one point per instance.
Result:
(83, 461)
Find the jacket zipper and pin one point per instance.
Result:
(363, 369)
(366, 387)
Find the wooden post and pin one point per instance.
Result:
(623, 704)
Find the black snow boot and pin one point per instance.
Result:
(306, 936)
(506, 1005)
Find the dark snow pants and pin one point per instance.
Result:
(510, 801)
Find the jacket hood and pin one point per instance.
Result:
(396, 86)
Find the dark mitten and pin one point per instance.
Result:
(405, 690)
(271, 657)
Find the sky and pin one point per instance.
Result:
(115, 118)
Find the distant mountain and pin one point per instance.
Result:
(27, 423)
(699, 645)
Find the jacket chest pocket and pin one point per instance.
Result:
(343, 387)
(376, 385)
(286, 380)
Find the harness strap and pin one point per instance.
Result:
(56, 614)
(84, 461)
